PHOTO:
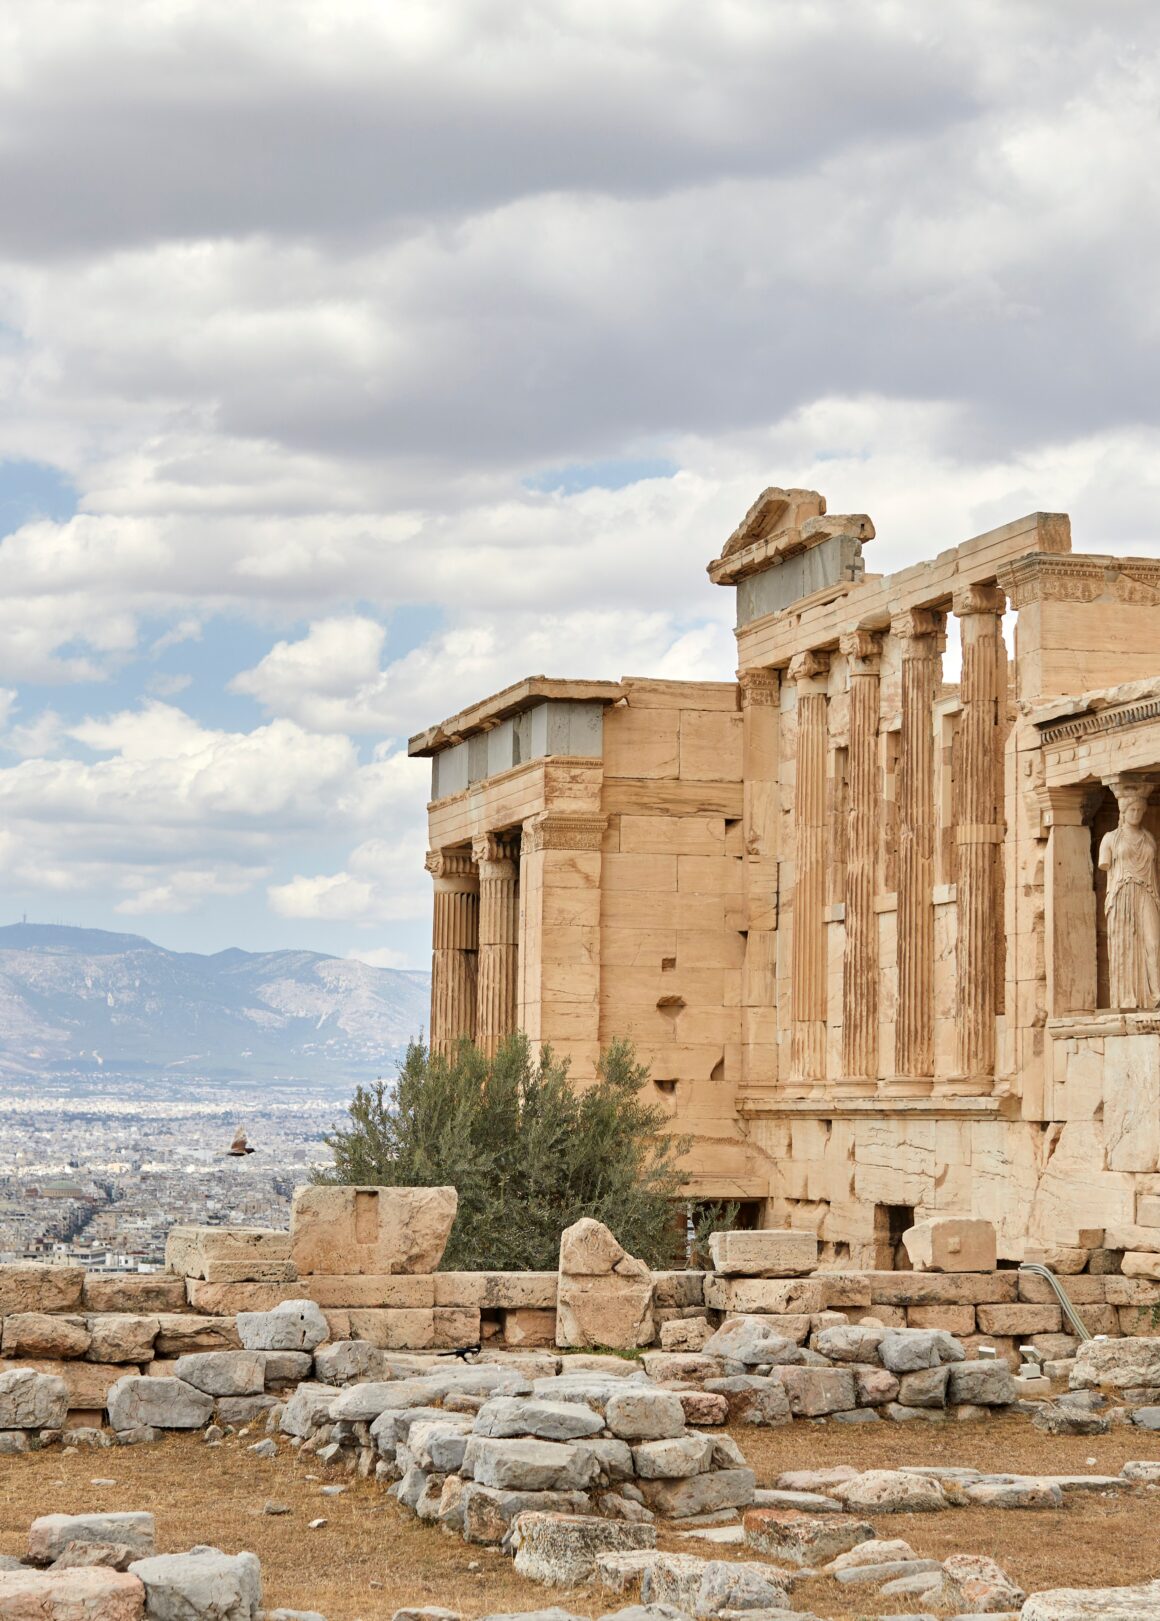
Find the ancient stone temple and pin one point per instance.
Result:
(889, 943)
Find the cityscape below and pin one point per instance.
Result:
(96, 1177)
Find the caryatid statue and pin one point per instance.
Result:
(1132, 904)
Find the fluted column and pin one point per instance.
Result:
(454, 948)
(919, 632)
(860, 959)
(497, 858)
(761, 810)
(808, 1052)
(978, 829)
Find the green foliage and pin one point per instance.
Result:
(528, 1153)
(705, 1219)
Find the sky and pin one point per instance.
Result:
(357, 360)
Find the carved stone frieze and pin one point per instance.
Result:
(557, 831)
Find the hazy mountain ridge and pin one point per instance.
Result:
(88, 1002)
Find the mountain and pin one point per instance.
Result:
(85, 1002)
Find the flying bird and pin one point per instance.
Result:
(240, 1146)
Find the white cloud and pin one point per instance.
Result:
(304, 331)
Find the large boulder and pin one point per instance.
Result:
(752, 1341)
(32, 1401)
(982, 1384)
(204, 1585)
(294, 1325)
(89, 1593)
(51, 1534)
(792, 1538)
(530, 1466)
(370, 1230)
(139, 1402)
(637, 1412)
(604, 1296)
(1117, 1364)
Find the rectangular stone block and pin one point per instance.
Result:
(496, 1291)
(529, 1326)
(679, 1288)
(777, 1295)
(249, 1271)
(942, 1288)
(389, 1330)
(1148, 1210)
(134, 1292)
(951, 1244)
(338, 1230)
(178, 1335)
(455, 1328)
(242, 1253)
(1019, 1320)
(1132, 1102)
(396, 1291)
(28, 1286)
(954, 1319)
(1081, 1290)
(764, 1253)
(1120, 1291)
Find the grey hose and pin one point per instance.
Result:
(1068, 1309)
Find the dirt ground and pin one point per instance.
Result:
(372, 1557)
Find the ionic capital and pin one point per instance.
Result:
(808, 667)
(452, 870)
(760, 689)
(978, 599)
(863, 649)
(552, 830)
(496, 854)
(919, 630)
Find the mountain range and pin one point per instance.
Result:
(84, 1002)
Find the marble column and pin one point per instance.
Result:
(454, 948)
(761, 812)
(497, 859)
(919, 633)
(860, 959)
(978, 825)
(808, 1002)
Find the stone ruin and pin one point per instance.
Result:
(340, 1341)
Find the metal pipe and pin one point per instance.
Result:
(1068, 1309)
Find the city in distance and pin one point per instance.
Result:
(125, 1070)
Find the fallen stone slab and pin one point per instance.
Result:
(761, 1402)
(562, 1549)
(293, 1325)
(223, 1373)
(50, 1534)
(803, 1539)
(883, 1571)
(487, 1514)
(1094, 1604)
(1015, 1494)
(804, 1502)
(203, 1585)
(140, 1402)
(984, 1586)
(32, 1401)
(675, 1458)
(877, 1551)
(636, 1413)
(545, 1420)
(752, 1341)
(890, 1491)
(534, 1466)
(1117, 1364)
(1053, 1419)
(982, 1384)
(1142, 1470)
(701, 1494)
(89, 1593)
(110, 1555)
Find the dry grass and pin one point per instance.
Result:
(372, 1557)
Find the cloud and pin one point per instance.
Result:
(393, 353)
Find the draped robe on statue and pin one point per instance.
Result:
(1133, 913)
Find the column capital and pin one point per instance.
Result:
(553, 830)
(449, 864)
(978, 599)
(808, 666)
(920, 630)
(760, 689)
(863, 648)
(495, 850)
(1071, 804)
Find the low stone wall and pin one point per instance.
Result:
(90, 1329)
